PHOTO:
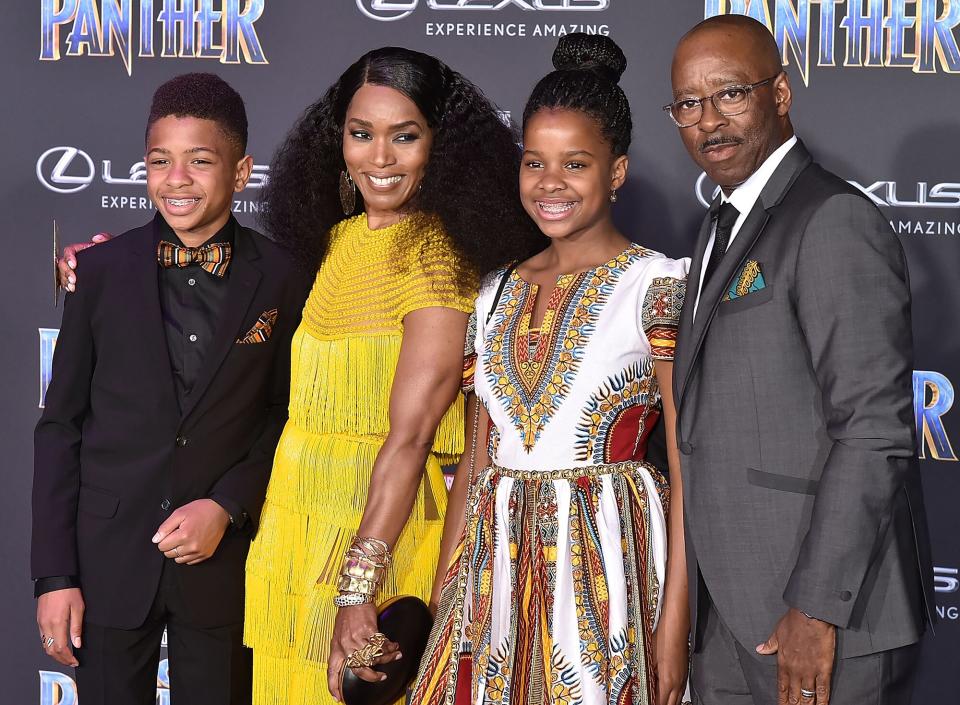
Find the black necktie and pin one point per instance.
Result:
(726, 219)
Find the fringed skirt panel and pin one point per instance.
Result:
(314, 503)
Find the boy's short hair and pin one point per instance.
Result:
(205, 96)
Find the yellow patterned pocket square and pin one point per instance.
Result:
(748, 280)
(261, 330)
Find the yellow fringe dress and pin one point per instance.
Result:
(344, 357)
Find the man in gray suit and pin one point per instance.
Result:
(809, 567)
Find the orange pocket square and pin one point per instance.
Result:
(261, 329)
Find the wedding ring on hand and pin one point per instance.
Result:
(176, 549)
(47, 641)
(367, 654)
(804, 693)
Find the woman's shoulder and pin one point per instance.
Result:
(428, 266)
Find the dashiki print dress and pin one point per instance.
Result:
(555, 589)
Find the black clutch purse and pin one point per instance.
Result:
(407, 621)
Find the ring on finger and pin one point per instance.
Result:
(804, 693)
(48, 641)
(377, 639)
(176, 549)
(368, 653)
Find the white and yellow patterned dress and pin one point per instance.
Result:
(555, 589)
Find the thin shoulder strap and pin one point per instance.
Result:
(500, 288)
(476, 405)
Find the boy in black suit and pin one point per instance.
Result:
(169, 391)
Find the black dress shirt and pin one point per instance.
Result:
(191, 301)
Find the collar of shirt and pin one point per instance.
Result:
(744, 198)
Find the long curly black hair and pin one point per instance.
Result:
(588, 69)
(470, 183)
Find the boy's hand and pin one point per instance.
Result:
(60, 617)
(193, 531)
(68, 261)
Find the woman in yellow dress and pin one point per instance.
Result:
(423, 159)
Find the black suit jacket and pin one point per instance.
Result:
(114, 455)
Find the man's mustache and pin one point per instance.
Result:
(717, 141)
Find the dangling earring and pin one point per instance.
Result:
(613, 196)
(348, 193)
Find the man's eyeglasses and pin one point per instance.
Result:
(729, 101)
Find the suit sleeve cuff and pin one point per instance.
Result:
(238, 517)
(41, 586)
(812, 615)
(831, 606)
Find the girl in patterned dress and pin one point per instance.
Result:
(560, 588)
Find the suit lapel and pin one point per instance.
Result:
(692, 336)
(682, 360)
(241, 288)
(149, 333)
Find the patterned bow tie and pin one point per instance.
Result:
(214, 258)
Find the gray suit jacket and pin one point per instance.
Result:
(795, 421)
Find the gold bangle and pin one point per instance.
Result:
(346, 584)
(373, 549)
(357, 567)
(364, 565)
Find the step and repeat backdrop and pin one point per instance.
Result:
(876, 100)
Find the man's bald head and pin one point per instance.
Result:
(723, 55)
(753, 36)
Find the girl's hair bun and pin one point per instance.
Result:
(590, 52)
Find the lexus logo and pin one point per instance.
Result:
(886, 194)
(387, 10)
(704, 194)
(53, 167)
(946, 579)
(68, 170)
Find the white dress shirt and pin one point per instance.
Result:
(743, 198)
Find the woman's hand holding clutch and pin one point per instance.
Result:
(354, 635)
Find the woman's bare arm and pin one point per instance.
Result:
(426, 383)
